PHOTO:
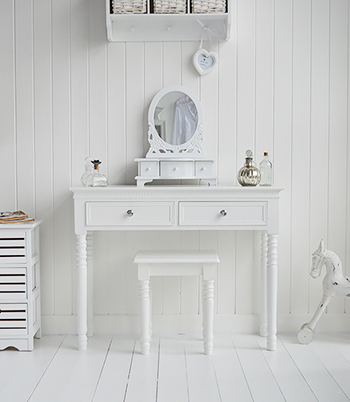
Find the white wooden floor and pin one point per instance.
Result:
(112, 369)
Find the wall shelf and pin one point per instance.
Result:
(166, 27)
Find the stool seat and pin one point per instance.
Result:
(173, 257)
(177, 263)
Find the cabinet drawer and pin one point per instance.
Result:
(204, 168)
(12, 247)
(13, 319)
(148, 169)
(13, 283)
(176, 169)
(129, 213)
(223, 213)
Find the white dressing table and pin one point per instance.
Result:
(176, 208)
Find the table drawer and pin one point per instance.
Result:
(204, 168)
(13, 319)
(223, 213)
(12, 247)
(176, 169)
(13, 283)
(129, 214)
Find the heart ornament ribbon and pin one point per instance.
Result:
(204, 62)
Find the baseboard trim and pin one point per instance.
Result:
(175, 324)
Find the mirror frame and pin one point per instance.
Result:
(162, 149)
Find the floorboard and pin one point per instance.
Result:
(73, 375)
(176, 370)
(262, 383)
(321, 382)
(20, 372)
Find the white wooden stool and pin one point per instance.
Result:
(177, 263)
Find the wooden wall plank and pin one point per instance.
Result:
(319, 179)
(8, 135)
(282, 158)
(338, 134)
(61, 113)
(24, 107)
(79, 71)
(44, 146)
(134, 107)
(300, 184)
(227, 112)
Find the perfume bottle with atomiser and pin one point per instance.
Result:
(96, 179)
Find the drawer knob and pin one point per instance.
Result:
(223, 212)
(176, 169)
(130, 212)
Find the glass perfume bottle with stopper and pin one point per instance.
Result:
(88, 171)
(265, 168)
(96, 179)
(249, 174)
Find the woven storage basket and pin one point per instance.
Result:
(129, 6)
(169, 6)
(208, 6)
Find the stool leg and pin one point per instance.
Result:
(208, 315)
(144, 294)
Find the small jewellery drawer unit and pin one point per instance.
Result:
(150, 169)
(19, 285)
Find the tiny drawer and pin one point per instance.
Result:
(13, 283)
(129, 213)
(176, 169)
(223, 213)
(13, 319)
(12, 247)
(204, 168)
(148, 169)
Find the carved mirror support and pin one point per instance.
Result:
(175, 135)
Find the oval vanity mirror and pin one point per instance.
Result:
(175, 120)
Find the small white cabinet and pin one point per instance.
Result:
(20, 313)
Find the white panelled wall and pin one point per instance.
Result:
(281, 85)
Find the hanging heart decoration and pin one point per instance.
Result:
(204, 62)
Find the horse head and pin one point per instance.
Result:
(318, 260)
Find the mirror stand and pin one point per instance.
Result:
(175, 135)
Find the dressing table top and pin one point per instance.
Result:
(127, 207)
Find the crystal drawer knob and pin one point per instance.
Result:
(223, 212)
(130, 212)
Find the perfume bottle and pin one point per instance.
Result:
(96, 179)
(249, 175)
(265, 168)
(88, 171)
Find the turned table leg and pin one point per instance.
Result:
(90, 284)
(81, 292)
(208, 307)
(271, 289)
(263, 307)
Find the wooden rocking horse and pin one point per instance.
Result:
(334, 282)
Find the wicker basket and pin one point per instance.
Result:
(208, 6)
(169, 6)
(129, 6)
